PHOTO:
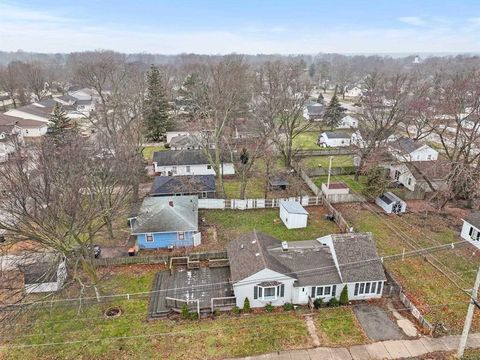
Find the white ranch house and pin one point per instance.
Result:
(471, 229)
(186, 162)
(405, 149)
(348, 122)
(266, 271)
(412, 174)
(334, 139)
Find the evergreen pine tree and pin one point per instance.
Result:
(344, 296)
(333, 113)
(155, 111)
(61, 126)
(320, 99)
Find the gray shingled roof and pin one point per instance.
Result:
(474, 219)
(337, 135)
(165, 214)
(310, 262)
(297, 262)
(406, 145)
(182, 157)
(315, 109)
(164, 185)
(184, 141)
(352, 251)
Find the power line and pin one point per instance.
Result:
(180, 332)
(284, 276)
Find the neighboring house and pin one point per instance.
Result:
(293, 215)
(412, 174)
(5, 101)
(357, 139)
(35, 111)
(266, 271)
(334, 139)
(10, 137)
(391, 203)
(354, 92)
(405, 149)
(187, 142)
(314, 112)
(167, 222)
(471, 229)
(29, 128)
(348, 122)
(186, 162)
(201, 185)
(39, 270)
(169, 135)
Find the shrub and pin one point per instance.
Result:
(344, 296)
(236, 310)
(333, 302)
(184, 312)
(166, 146)
(318, 303)
(288, 307)
(246, 305)
(193, 316)
(216, 312)
(269, 307)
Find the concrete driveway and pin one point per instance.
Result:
(376, 323)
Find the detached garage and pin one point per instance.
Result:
(293, 215)
(391, 203)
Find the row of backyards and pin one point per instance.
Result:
(131, 335)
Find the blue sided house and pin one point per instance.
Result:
(167, 222)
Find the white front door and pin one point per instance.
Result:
(303, 295)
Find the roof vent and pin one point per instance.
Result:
(170, 203)
(254, 241)
(257, 254)
(241, 246)
(284, 246)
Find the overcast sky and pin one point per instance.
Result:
(242, 26)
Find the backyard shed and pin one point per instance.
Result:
(278, 182)
(293, 215)
(391, 203)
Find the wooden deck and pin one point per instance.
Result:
(201, 284)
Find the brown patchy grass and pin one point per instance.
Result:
(436, 296)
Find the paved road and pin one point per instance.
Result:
(376, 323)
(392, 349)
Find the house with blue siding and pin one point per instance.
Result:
(167, 222)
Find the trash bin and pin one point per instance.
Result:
(131, 251)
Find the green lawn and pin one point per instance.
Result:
(255, 188)
(232, 223)
(436, 296)
(356, 186)
(149, 150)
(226, 336)
(313, 162)
(306, 141)
(338, 327)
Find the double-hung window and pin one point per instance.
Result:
(181, 235)
(149, 237)
(324, 291)
(474, 234)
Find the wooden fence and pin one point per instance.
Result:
(160, 258)
(325, 152)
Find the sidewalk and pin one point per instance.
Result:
(397, 349)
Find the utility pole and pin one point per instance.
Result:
(329, 171)
(469, 318)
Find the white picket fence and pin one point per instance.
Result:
(246, 204)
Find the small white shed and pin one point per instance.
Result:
(293, 215)
(391, 203)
